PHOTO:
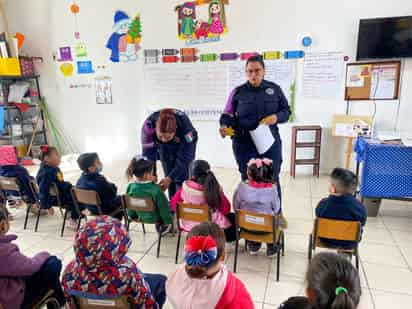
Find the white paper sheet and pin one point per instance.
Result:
(322, 75)
(354, 77)
(262, 138)
(384, 82)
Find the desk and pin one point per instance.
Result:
(386, 171)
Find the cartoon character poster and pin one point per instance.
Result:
(125, 40)
(194, 29)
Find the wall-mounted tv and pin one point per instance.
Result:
(384, 38)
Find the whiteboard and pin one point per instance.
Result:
(201, 89)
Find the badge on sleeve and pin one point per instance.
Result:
(189, 137)
(270, 91)
(60, 176)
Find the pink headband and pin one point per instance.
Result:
(260, 162)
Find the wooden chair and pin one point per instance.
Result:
(90, 197)
(123, 302)
(139, 204)
(190, 212)
(337, 230)
(12, 184)
(268, 226)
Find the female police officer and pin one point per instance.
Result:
(169, 135)
(255, 102)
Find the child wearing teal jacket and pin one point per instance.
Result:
(142, 169)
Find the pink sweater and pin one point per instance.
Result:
(192, 193)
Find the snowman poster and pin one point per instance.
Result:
(124, 42)
(201, 21)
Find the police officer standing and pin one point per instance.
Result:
(258, 101)
(169, 136)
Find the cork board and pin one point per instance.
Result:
(373, 80)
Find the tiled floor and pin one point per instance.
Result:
(386, 249)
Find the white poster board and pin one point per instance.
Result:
(322, 75)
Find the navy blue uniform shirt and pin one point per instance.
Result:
(107, 191)
(45, 177)
(343, 207)
(248, 105)
(177, 154)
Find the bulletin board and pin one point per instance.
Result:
(373, 80)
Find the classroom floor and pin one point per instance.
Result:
(386, 249)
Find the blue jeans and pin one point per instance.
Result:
(47, 278)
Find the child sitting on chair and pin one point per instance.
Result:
(203, 189)
(341, 204)
(23, 280)
(204, 281)
(258, 195)
(92, 179)
(332, 282)
(48, 174)
(144, 186)
(10, 167)
(102, 270)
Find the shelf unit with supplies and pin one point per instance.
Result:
(23, 128)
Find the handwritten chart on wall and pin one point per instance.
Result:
(201, 89)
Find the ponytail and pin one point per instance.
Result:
(212, 191)
(139, 166)
(343, 301)
(333, 281)
(200, 173)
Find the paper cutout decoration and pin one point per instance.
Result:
(189, 59)
(272, 55)
(195, 30)
(67, 69)
(77, 35)
(74, 8)
(169, 52)
(65, 53)
(190, 52)
(80, 49)
(124, 43)
(208, 57)
(170, 59)
(246, 56)
(228, 56)
(307, 41)
(84, 67)
(151, 56)
(104, 90)
(294, 54)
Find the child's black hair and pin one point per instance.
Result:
(207, 229)
(46, 150)
(4, 214)
(344, 180)
(139, 166)
(200, 173)
(261, 174)
(333, 281)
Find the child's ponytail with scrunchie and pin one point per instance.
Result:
(342, 300)
(261, 170)
(204, 246)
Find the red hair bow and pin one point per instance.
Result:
(44, 148)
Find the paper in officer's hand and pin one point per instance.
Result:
(262, 138)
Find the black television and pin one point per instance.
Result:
(385, 38)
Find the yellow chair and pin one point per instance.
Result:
(190, 212)
(268, 228)
(123, 302)
(336, 230)
(139, 204)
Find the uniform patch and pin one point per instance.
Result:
(60, 176)
(189, 137)
(270, 91)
